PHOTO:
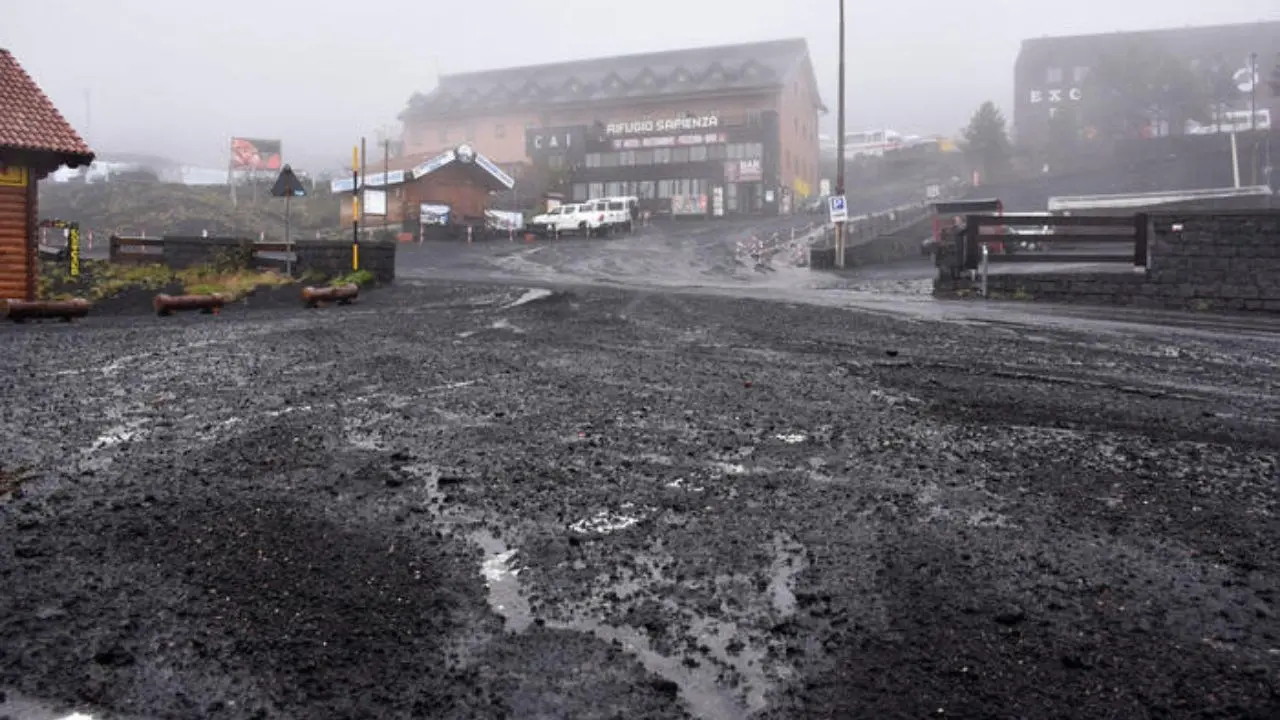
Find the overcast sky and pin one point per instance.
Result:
(179, 77)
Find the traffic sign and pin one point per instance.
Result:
(839, 208)
(288, 185)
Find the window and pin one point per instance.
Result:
(593, 160)
(662, 156)
(627, 158)
(444, 134)
(1054, 75)
(595, 189)
(645, 189)
(555, 162)
(680, 155)
(579, 192)
(609, 160)
(665, 188)
(1078, 74)
(613, 189)
(499, 130)
(698, 153)
(644, 157)
(717, 152)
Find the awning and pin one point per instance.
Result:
(464, 155)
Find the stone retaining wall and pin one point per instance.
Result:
(1203, 261)
(333, 259)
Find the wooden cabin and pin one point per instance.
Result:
(35, 140)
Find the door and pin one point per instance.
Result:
(16, 262)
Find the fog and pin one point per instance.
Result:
(178, 78)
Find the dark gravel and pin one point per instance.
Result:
(715, 506)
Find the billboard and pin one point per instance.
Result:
(255, 154)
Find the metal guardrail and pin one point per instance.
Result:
(976, 250)
(151, 249)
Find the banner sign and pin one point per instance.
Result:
(670, 125)
(348, 184)
(736, 171)
(433, 214)
(13, 176)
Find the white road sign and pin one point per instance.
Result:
(839, 209)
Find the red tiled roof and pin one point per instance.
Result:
(29, 121)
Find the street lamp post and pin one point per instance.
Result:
(840, 226)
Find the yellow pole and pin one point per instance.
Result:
(355, 207)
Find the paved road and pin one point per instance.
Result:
(486, 501)
(638, 478)
(705, 259)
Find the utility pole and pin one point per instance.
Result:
(88, 115)
(840, 226)
(1253, 114)
(386, 181)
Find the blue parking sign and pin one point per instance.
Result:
(839, 209)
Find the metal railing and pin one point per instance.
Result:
(985, 240)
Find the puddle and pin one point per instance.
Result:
(505, 595)
(788, 562)
(896, 399)
(792, 438)
(605, 522)
(730, 468)
(505, 324)
(21, 707)
(118, 435)
(699, 686)
(530, 296)
(682, 484)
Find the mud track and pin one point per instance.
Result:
(463, 500)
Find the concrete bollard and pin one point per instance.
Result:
(341, 294)
(169, 304)
(65, 310)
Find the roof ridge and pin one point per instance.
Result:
(1158, 30)
(628, 56)
(34, 124)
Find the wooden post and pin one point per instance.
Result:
(1141, 239)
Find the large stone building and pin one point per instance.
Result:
(1051, 76)
(715, 130)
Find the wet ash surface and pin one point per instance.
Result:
(474, 501)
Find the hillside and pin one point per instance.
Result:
(169, 209)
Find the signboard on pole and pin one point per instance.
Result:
(288, 184)
(838, 208)
(375, 202)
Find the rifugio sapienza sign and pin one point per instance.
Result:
(667, 125)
